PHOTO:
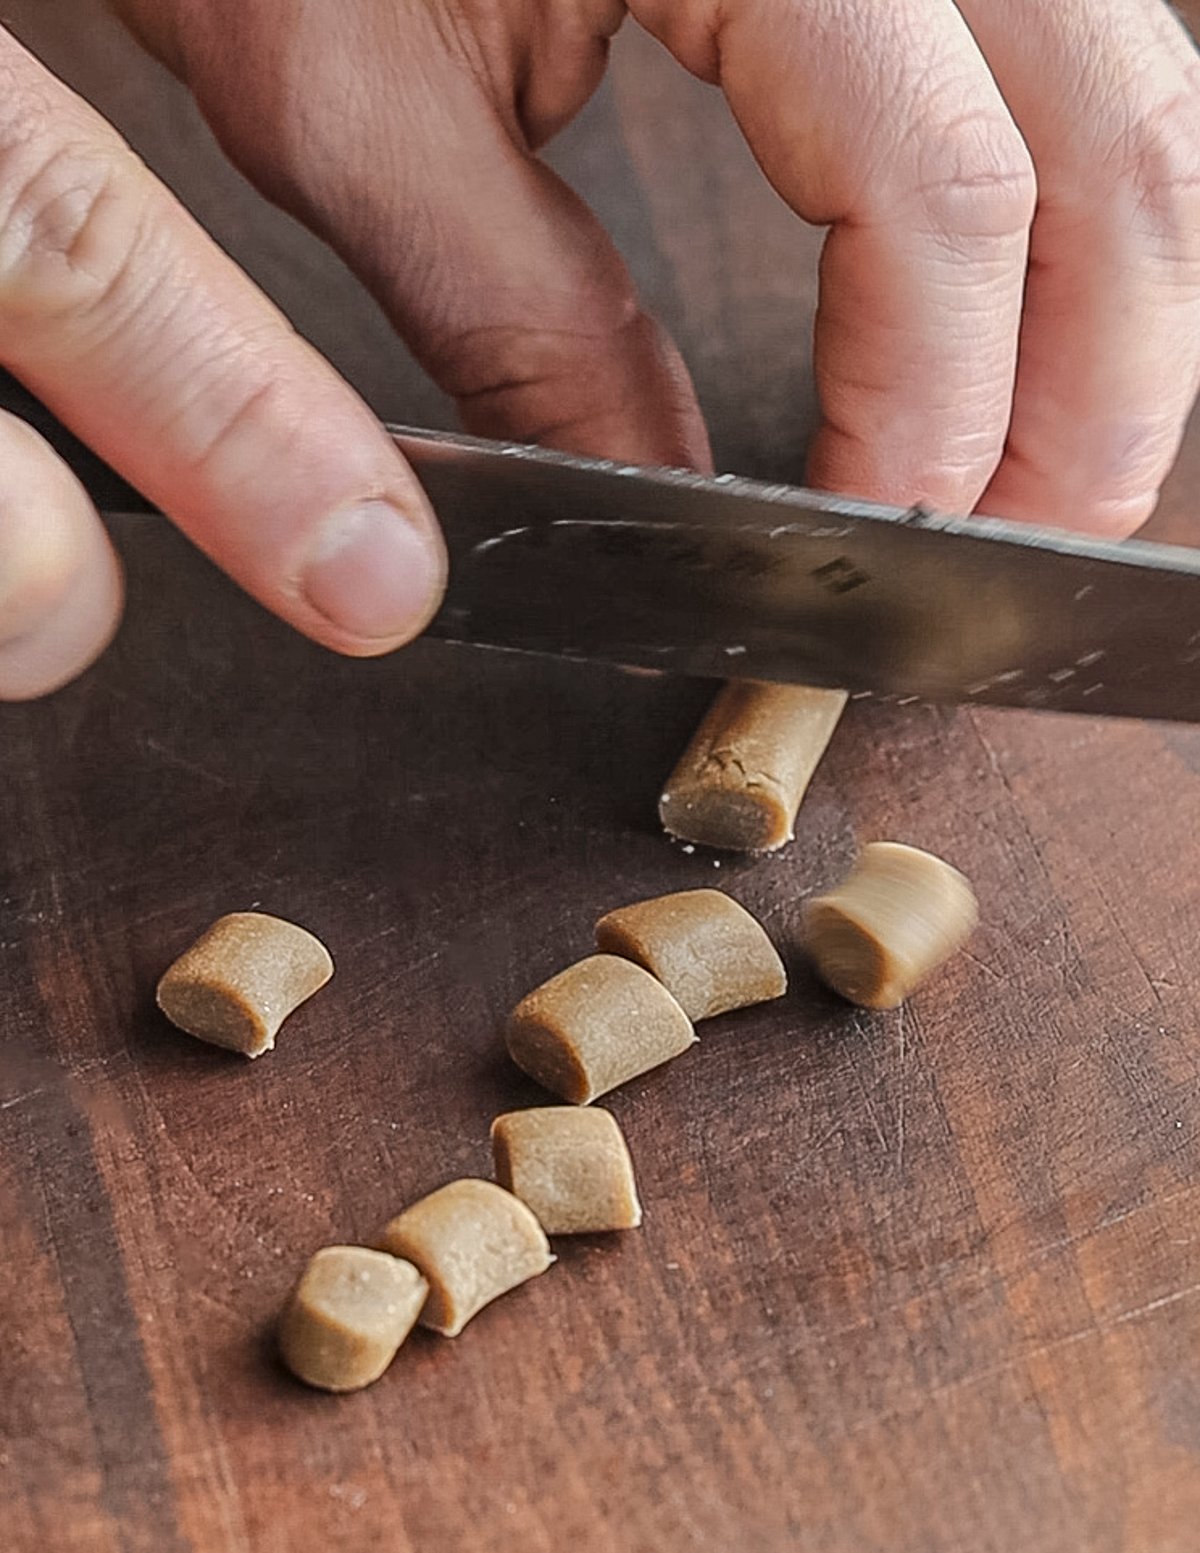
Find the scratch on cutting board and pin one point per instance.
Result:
(30, 1094)
(1026, 1356)
(866, 1099)
(982, 964)
(175, 759)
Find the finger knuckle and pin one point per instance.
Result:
(70, 220)
(1112, 495)
(529, 353)
(228, 413)
(1156, 154)
(531, 379)
(691, 32)
(976, 178)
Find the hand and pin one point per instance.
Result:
(406, 132)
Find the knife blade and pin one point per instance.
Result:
(728, 577)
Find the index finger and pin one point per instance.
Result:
(129, 323)
(883, 121)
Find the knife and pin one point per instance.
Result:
(732, 578)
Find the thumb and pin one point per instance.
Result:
(131, 325)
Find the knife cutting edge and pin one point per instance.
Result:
(727, 577)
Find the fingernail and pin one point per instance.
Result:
(375, 575)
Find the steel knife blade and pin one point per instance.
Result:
(722, 576)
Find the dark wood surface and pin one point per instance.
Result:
(925, 1281)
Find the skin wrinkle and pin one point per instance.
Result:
(485, 43)
(547, 96)
(537, 61)
(1115, 257)
(441, 342)
(1162, 164)
(71, 225)
(468, 369)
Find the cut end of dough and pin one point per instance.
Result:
(849, 961)
(545, 1054)
(898, 916)
(347, 1316)
(241, 979)
(752, 821)
(742, 778)
(214, 1014)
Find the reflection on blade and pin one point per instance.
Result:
(723, 576)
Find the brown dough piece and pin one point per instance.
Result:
(740, 781)
(347, 1316)
(242, 978)
(595, 1025)
(898, 916)
(472, 1241)
(708, 951)
(570, 1165)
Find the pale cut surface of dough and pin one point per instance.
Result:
(570, 1165)
(347, 1316)
(739, 784)
(898, 916)
(242, 978)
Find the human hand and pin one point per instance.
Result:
(995, 173)
(406, 133)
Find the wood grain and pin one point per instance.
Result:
(917, 1282)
